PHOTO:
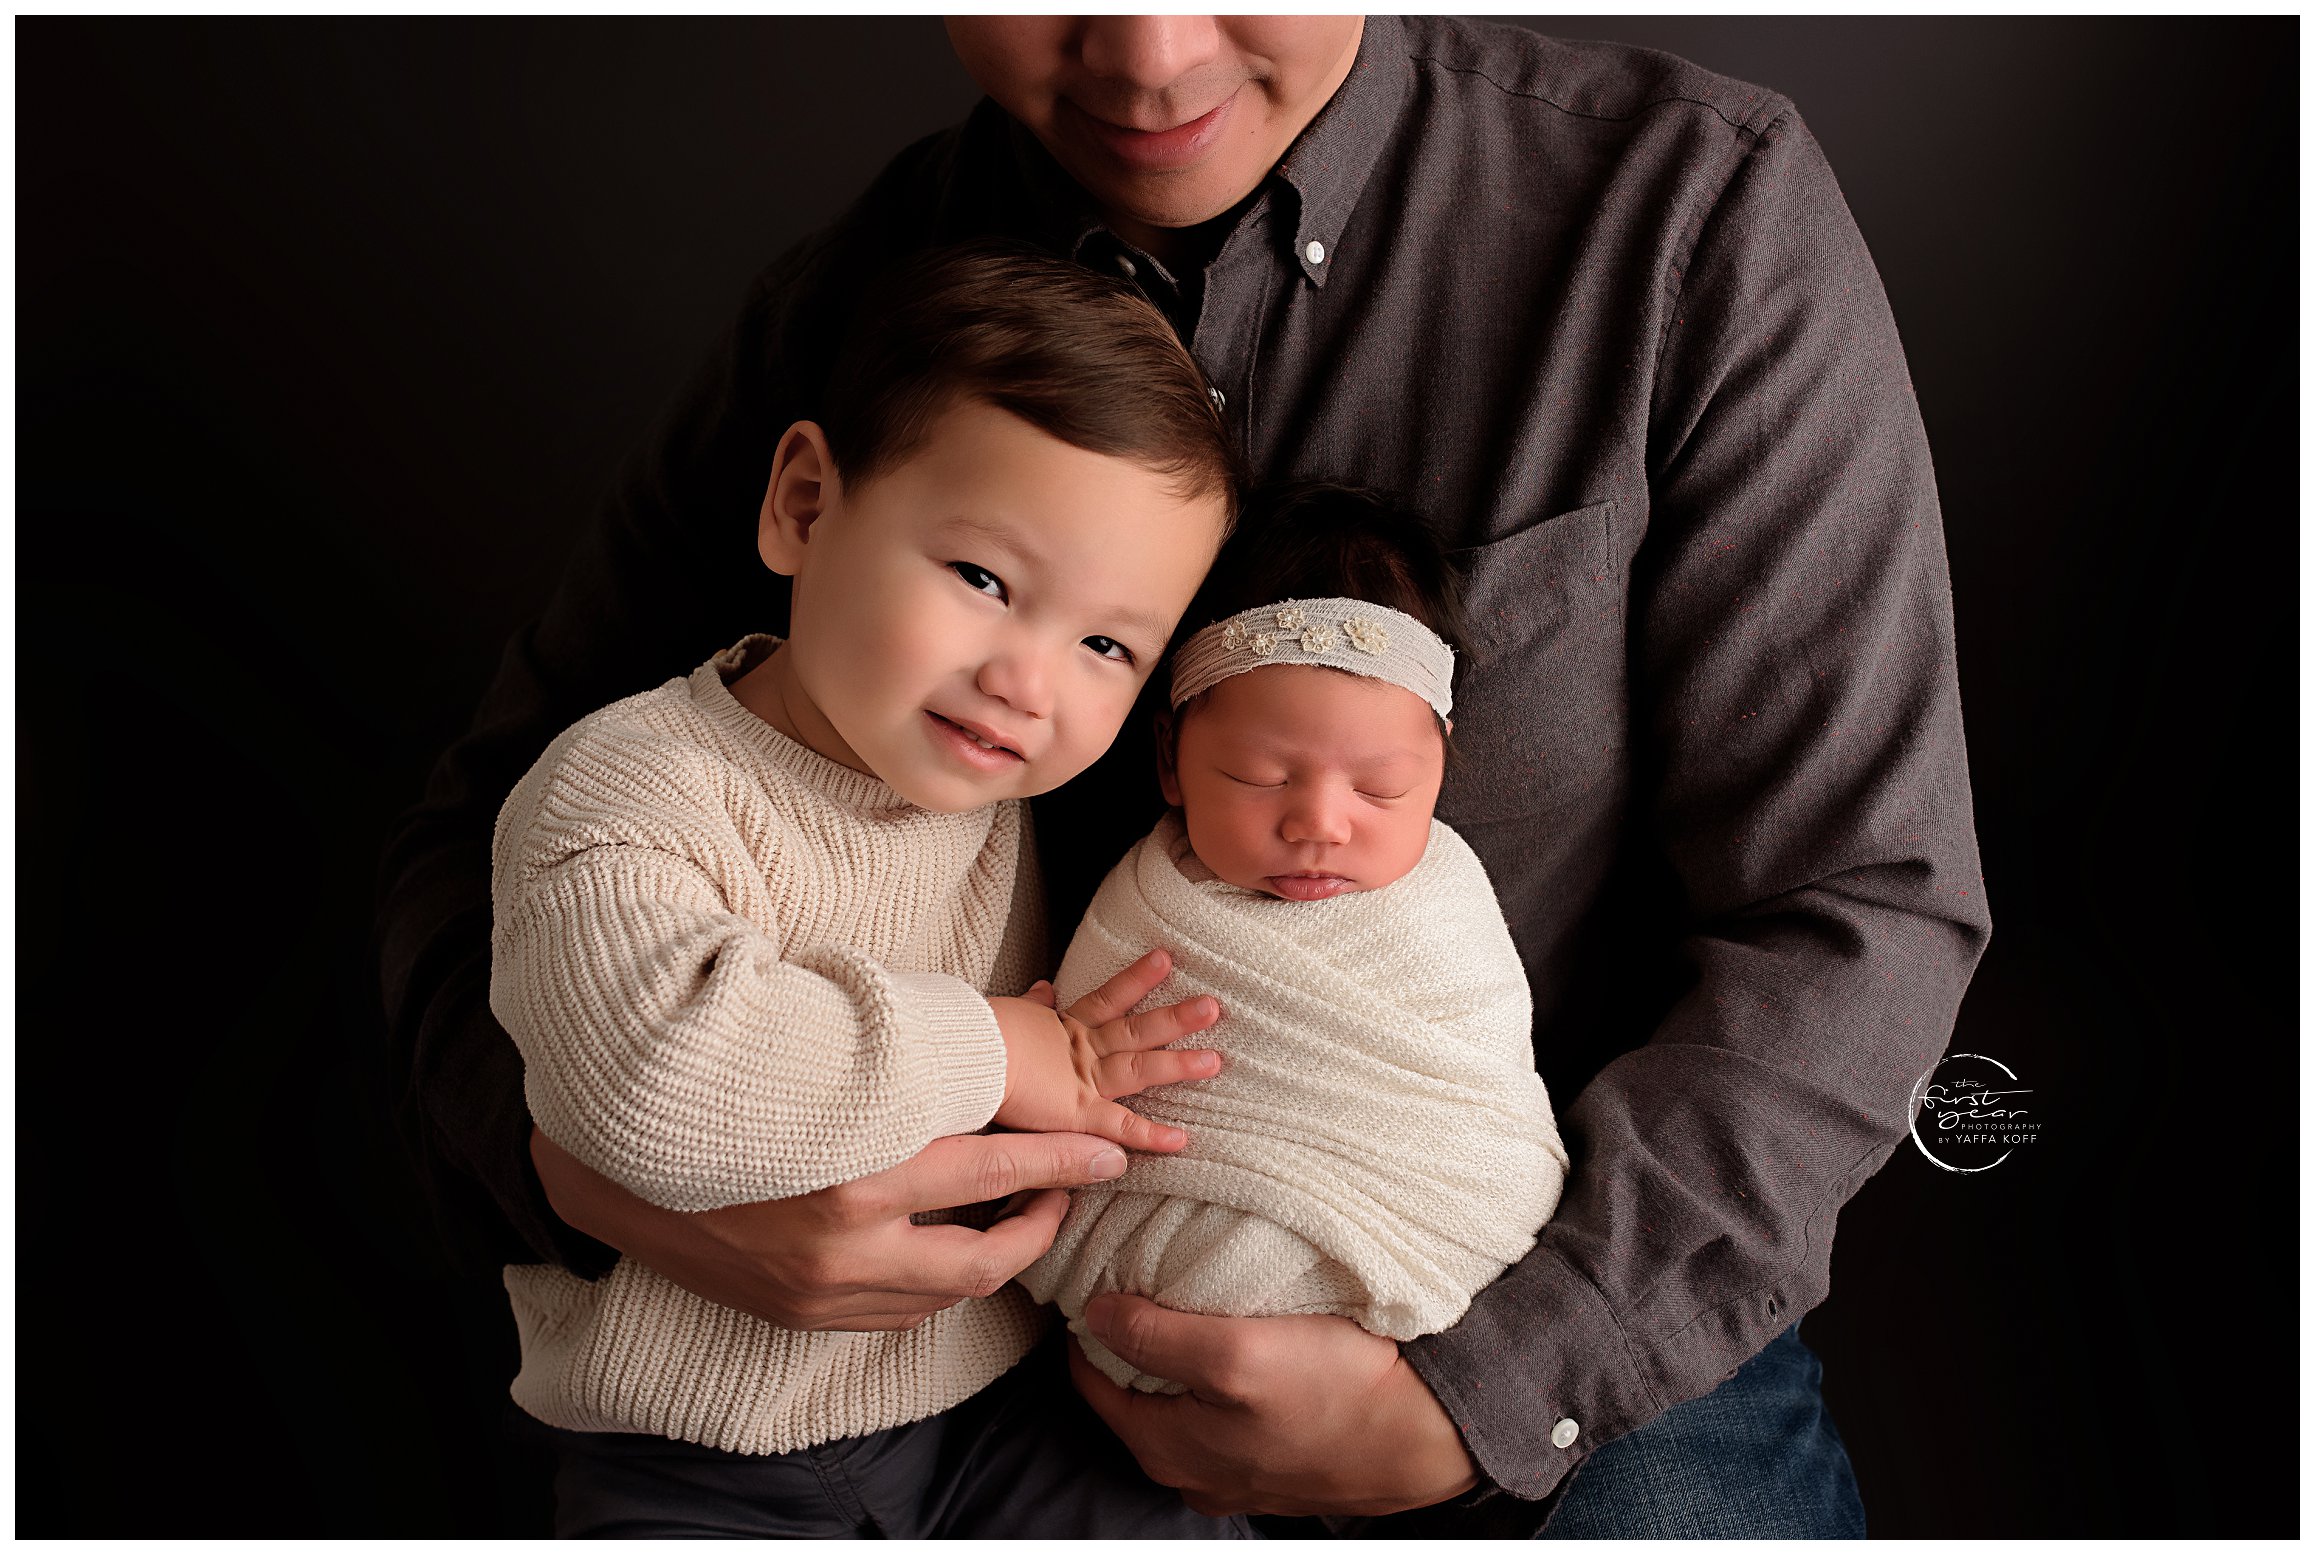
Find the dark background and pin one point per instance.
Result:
(330, 332)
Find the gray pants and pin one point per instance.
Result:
(1023, 1458)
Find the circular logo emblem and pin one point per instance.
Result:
(1971, 1113)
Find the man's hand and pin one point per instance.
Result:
(1065, 1071)
(847, 1257)
(1296, 1416)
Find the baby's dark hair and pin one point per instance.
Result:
(1326, 540)
(1080, 356)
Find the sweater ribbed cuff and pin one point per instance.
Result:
(968, 1049)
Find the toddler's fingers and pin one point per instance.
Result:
(1155, 1028)
(1135, 1132)
(1122, 1074)
(1124, 991)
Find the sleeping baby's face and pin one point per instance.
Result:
(1305, 783)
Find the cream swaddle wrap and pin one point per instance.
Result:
(1378, 1144)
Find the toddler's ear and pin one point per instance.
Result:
(802, 487)
(1169, 781)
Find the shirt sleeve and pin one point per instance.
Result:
(1796, 702)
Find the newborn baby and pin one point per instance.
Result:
(1377, 1144)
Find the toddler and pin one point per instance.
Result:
(747, 926)
(1377, 1144)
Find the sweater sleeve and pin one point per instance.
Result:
(1794, 682)
(672, 1042)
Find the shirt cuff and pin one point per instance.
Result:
(968, 1051)
(1537, 1375)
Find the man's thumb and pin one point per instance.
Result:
(1149, 1337)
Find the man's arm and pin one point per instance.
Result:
(664, 577)
(1796, 700)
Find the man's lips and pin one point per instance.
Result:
(1309, 885)
(979, 745)
(1156, 151)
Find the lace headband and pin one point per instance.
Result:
(1340, 634)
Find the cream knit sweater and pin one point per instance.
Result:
(1378, 1145)
(740, 971)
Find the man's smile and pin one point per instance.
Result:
(1156, 149)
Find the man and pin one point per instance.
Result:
(1602, 317)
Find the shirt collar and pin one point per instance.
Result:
(1330, 161)
(1327, 167)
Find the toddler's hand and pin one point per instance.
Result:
(1064, 1071)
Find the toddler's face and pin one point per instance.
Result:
(974, 623)
(1304, 783)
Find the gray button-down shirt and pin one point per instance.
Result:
(1604, 318)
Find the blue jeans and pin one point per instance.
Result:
(1756, 1458)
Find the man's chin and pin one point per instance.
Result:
(1171, 199)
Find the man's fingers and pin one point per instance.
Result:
(1124, 991)
(994, 1256)
(975, 1168)
(1122, 1074)
(1155, 1028)
(910, 1272)
(1202, 1353)
(959, 1263)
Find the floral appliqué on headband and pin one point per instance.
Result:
(1237, 639)
(1365, 636)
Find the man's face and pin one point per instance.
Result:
(974, 623)
(1304, 782)
(1167, 121)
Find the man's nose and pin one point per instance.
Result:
(1316, 812)
(1018, 676)
(1148, 52)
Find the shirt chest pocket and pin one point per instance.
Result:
(1540, 704)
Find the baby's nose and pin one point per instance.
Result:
(1318, 817)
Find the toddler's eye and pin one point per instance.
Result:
(1368, 794)
(979, 579)
(1250, 783)
(1110, 648)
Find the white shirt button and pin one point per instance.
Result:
(1315, 253)
(1563, 1433)
(1126, 267)
(1221, 401)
